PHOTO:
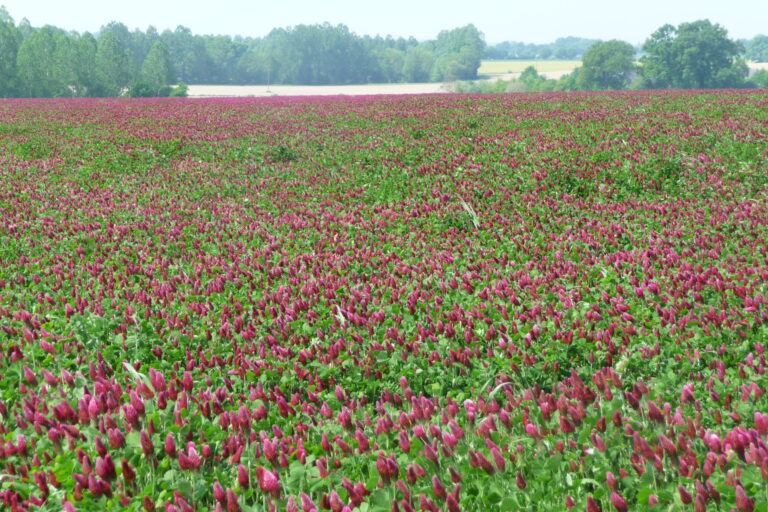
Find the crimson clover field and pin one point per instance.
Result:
(404, 303)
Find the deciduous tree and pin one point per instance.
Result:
(757, 49)
(10, 39)
(607, 65)
(43, 64)
(115, 65)
(156, 70)
(458, 53)
(695, 55)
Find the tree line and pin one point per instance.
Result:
(574, 48)
(563, 48)
(695, 55)
(52, 62)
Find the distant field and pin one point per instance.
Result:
(497, 67)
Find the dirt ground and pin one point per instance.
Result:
(214, 91)
(201, 91)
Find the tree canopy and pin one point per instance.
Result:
(458, 53)
(696, 55)
(757, 49)
(51, 62)
(563, 48)
(41, 68)
(607, 65)
(156, 70)
(10, 39)
(115, 65)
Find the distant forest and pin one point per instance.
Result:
(52, 62)
(564, 48)
(574, 48)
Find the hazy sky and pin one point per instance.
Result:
(535, 21)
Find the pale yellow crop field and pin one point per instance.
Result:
(500, 67)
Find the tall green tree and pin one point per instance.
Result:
(317, 55)
(83, 63)
(563, 48)
(390, 63)
(156, 70)
(418, 63)
(256, 65)
(10, 39)
(458, 54)
(607, 65)
(142, 42)
(757, 49)
(695, 55)
(759, 80)
(224, 53)
(191, 62)
(139, 43)
(43, 64)
(115, 65)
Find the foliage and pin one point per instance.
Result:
(534, 82)
(317, 55)
(498, 67)
(144, 89)
(50, 62)
(418, 63)
(757, 49)
(607, 65)
(695, 55)
(446, 302)
(759, 79)
(41, 67)
(85, 81)
(563, 48)
(114, 66)
(188, 53)
(528, 81)
(10, 39)
(488, 86)
(140, 89)
(156, 70)
(458, 53)
(69, 64)
(180, 91)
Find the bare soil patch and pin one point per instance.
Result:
(214, 91)
(208, 91)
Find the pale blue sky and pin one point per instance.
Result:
(535, 21)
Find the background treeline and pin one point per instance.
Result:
(695, 55)
(574, 48)
(564, 48)
(51, 62)
(756, 49)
